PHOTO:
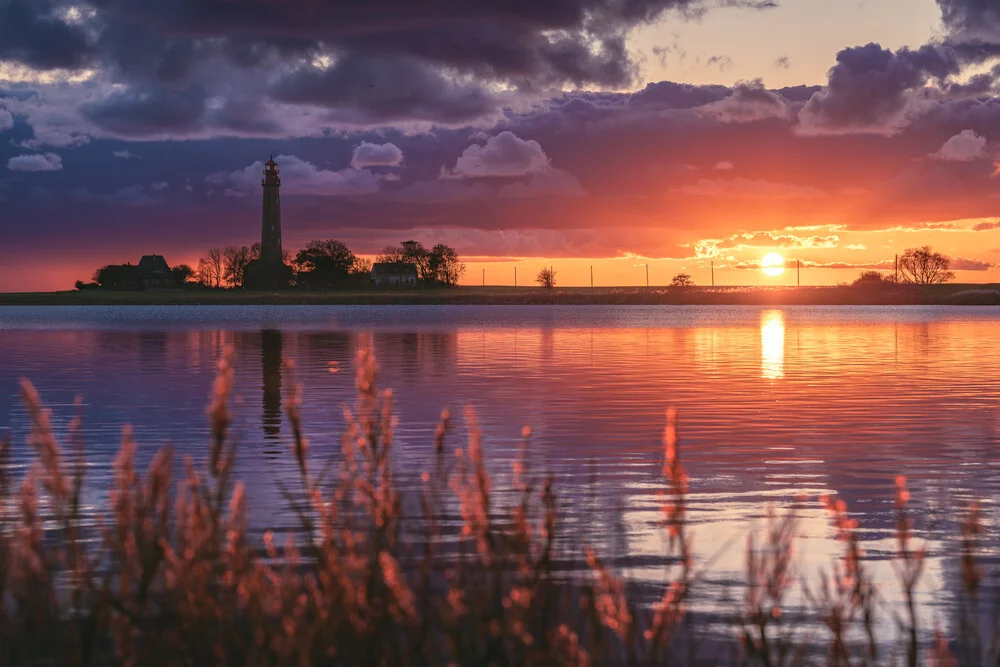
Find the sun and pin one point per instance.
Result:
(773, 264)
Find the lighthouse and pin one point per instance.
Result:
(270, 228)
(269, 272)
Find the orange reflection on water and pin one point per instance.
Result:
(772, 344)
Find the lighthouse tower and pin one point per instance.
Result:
(270, 229)
(269, 272)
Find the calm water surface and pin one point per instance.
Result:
(773, 404)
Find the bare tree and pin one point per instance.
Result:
(392, 254)
(210, 268)
(682, 280)
(546, 277)
(235, 259)
(923, 266)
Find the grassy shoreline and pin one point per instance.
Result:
(953, 294)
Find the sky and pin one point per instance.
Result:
(605, 134)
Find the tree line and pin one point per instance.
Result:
(321, 264)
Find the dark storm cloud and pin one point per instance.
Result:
(139, 112)
(365, 89)
(32, 33)
(870, 88)
(977, 18)
(545, 41)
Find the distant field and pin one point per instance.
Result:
(970, 294)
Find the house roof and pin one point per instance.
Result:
(153, 265)
(394, 268)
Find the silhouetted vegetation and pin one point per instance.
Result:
(546, 278)
(170, 576)
(923, 266)
(682, 280)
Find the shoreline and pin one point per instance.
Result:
(896, 295)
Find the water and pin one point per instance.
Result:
(773, 404)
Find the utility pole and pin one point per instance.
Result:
(647, 275)
(591, 276)
(713, 273)
(515, 275)
(895, 267)
(798, 271)
(484, 277)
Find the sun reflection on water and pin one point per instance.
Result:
(772, 344)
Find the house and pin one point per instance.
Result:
(154, 272)
(394, 274)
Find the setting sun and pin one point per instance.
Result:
(773, 264)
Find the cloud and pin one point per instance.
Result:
(376, 155)
(148, 111)
(125, 155)
(965, 264)
(985, 226)
(545, 183)
(783, 62)
(366, 90)
(750, 101)
(874, 90)
(6, 120)
(723, 165)
(301, 178)
(503, 155)
(56, 138)
(963, 147)
(32, 33)
(747, 188)
(38, 162)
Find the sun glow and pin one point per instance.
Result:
(773, 264)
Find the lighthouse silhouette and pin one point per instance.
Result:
(269, 271)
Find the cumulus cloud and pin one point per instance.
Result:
(874, 90)
(504, 155)
(963, 147)
(6, 120)
(376, 155)
(300, 178)
(750, 101)
(38, 162)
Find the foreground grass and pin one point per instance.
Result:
(170, 577)
(953, 294)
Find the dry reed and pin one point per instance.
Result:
(169, 575)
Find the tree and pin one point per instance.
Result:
(922, 266)
(546, 277)
(444, 265)
(391, 254)
(326, 263)
(234, 265)
(414, 252)
(362, 267)
(118, 277)
(182, 273)
(682, 280)
(210, 268)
